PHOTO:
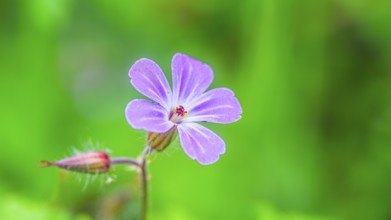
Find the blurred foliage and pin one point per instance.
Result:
(313, 78)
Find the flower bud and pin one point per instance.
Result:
(93, 162)
(159, 141)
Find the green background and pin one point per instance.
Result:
(313, 78)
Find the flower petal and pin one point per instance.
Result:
(147, 77)
(146, 115)
(217, 105)
(200, 143)
(190, 78)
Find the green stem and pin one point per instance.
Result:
(125, 160)
(142, 164)
(144, 183)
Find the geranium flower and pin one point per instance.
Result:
(178, 110)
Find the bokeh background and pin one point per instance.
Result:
(313, 78)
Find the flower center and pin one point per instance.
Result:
(178, 113)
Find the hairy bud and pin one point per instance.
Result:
(93, 162)
(159, 141)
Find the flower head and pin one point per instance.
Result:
(182, 107)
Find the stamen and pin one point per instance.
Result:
(180, 111)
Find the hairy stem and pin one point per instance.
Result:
(125, 160)
(142, 164)
(144, 183)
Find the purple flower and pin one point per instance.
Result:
(180, 108)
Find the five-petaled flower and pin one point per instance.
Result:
(179, 109)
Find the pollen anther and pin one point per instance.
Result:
(180, 111)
